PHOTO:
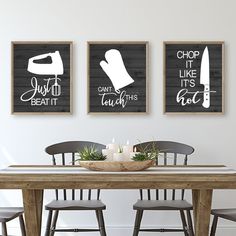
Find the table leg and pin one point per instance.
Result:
(202, 210)
(33, 202)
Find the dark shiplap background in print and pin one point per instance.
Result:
(22, 78)
(173, 81)
(134, 57)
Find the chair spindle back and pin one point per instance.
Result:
(172, 154)
(65, 154)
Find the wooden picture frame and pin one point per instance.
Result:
(189, 69)
(41, 77)
(102, 85)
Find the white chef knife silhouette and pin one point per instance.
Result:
(205, 77)
(115, 69)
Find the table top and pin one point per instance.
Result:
(159, 170)
(49, 177)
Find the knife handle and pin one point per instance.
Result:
(206, 96)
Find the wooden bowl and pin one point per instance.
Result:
(117, 165)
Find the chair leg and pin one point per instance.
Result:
(138, 219)
(184, 222)
(54, 222)
(214, 225)
(49, 221)
(101, 223)
(190, 223)
(22, 225)
(4, 229)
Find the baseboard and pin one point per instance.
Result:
(114, 230)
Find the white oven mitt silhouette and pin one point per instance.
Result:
(115, 69)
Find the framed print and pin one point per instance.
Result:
(194, 77)
(41, 77)
(117, 77)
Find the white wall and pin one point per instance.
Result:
(23, 138)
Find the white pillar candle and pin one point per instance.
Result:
(118, 156)
(108, 153)
(127, 149)
(113, 146)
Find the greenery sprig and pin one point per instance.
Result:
(147, 152)
(120, 149)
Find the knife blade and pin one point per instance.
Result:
(205, 77)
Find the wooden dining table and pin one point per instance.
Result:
(33, 180)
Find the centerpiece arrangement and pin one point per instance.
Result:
(118, 158)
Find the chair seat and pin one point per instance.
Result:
(9, 213)
(229, 214)
(75, 205)
(162, 205)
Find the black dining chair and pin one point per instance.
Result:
(10, 213)
(73, 200)
(172, 153)
(227, 214)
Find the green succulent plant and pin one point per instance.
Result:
(90, 154)
(140, 157)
